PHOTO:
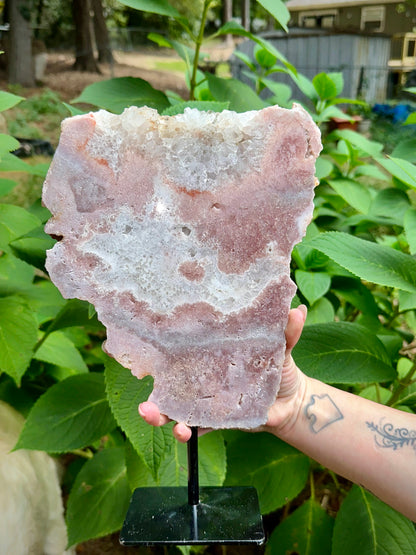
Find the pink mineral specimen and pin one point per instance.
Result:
(179, 230)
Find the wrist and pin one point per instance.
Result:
(288, 409)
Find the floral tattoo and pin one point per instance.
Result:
(389, 437)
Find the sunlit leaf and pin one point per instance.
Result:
(370, 261)
(365, 524)
(72, 414)
(121, 92)
(343, 352)
(99, 498)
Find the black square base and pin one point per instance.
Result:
(228, 515)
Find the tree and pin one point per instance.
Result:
(21, 68)
(227, 15)
(84, 53)
(245, 14)
(102, 39)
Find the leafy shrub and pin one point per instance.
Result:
(355, 269)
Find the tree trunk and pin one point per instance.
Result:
(245, 14)
(21, 68)
(84, 53)
(227, 14)
(102, 39)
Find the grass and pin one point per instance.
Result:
(37, 117)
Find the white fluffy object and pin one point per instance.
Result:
(31, 509)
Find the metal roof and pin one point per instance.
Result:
(305, 5)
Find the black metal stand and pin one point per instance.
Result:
(193, 515)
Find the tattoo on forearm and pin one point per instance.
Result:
(321, 411)
(389, 437)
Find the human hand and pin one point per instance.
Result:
(282, 414)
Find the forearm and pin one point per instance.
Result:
(368, 443)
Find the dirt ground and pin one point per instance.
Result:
(60, 77)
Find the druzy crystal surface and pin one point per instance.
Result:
(179, 230)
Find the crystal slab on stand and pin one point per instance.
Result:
(179, 230)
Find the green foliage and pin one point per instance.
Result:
(72, 414)
(116, 94)
(355, 270)
(343, 353)
(278, 471)
(99, 497)
(308, 530)
(367, 525)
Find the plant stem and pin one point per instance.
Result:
(198, 44)
(86, 454)
(407, 380)
(312, 485)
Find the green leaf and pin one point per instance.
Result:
(15, 222)
(161, 7)
(32, 247)
(372, 148)
(99, 498)
(320, 312)
(369, 261)
(313, 285)
(264, 58)
(73, 313)
(11, 163)
(6, 185)
(324, 86)
(8, 100)
(18, 336)
(245, 59)
(390, 203)
(281, 93)
(187, 54)
(308, 530)
(277, 470)
(365, 524)
(405, 150)
(323, 168)
(72, 414)
(278, 10)
(125, 392)
(353, 192)
(342, 352)
(212, 462)
(407, 301)
(356, 294)
(72, 110)
(7, 143)
(117, 94)
(240, 96)
(45, 300)
(376, 393)
(59, 350)
(338, 79)
(173, 469)
(15, 276)
(371, 170)
(411, 119)
(401, 169)
(201, 105)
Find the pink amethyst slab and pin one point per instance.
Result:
(180, 230)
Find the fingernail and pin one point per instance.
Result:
(142, 411)
(303, 308)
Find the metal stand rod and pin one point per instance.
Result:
(193, 477)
